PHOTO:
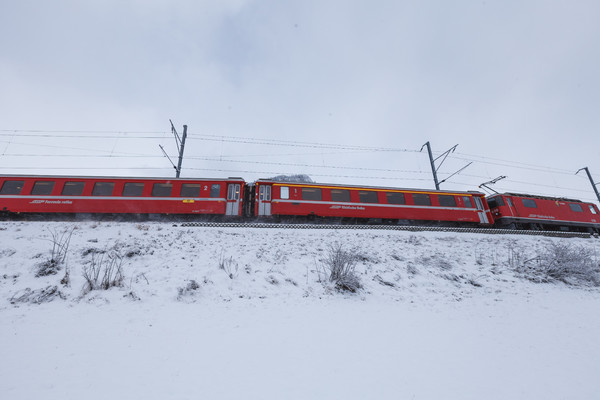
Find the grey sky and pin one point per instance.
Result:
(509, 80)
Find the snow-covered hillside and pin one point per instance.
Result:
(249, 313)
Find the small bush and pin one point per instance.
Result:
(228, 265)
(562, 262)
(58, 255)
(103, 272)
(340, 267)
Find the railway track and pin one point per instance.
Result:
(409, 228)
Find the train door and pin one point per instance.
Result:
(264, 200)
(482, 216)
(233, 199)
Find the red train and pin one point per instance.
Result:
(521, 211)
(109, 195)
(233, 197)
(367, 203)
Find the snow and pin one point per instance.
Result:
(440, 315)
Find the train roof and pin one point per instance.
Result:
(534, 196)
(136, 178)
(337, 185)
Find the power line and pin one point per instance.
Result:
(67, 133)
(214, 138)
(507, 163)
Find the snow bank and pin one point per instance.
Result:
(247, 313)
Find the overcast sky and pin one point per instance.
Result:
(509, 81)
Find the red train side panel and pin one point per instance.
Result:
(61, 194)
(300, 199)
(540, 212)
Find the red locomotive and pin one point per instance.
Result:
(521, 211)
(111, 195)
(51, 195)
(367, 203)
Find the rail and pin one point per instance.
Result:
(409, 228)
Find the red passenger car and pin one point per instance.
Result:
(112, 195)
(539, 212)
(363, 203)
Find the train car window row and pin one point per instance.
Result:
(12, 187)
(130, 189)
(371, 196)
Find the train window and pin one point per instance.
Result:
(368, 196)
(133, 189)
(468, 202)
(311, 194)
(285, 192)
(447, 200)
(340, 195)
(12, 187)
(575, 207)
(103, 189)
(395, 198)
(508, 201)
(496, 201)
(233, 191)
(421, 199)
(215, 190)
(592, 209)
(529, 203)
(190, 190)
(162, 189)
(42, 188)
(73, 188)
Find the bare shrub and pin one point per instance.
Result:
(516, 255)
(38, 296)
(562, 262)
(340, 265)
(60, 246)
(66, 279)
(103, 272)
(228, 265)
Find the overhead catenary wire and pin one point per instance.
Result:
(13, 138)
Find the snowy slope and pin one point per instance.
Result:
(440, 315)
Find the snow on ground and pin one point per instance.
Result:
(440, 315)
